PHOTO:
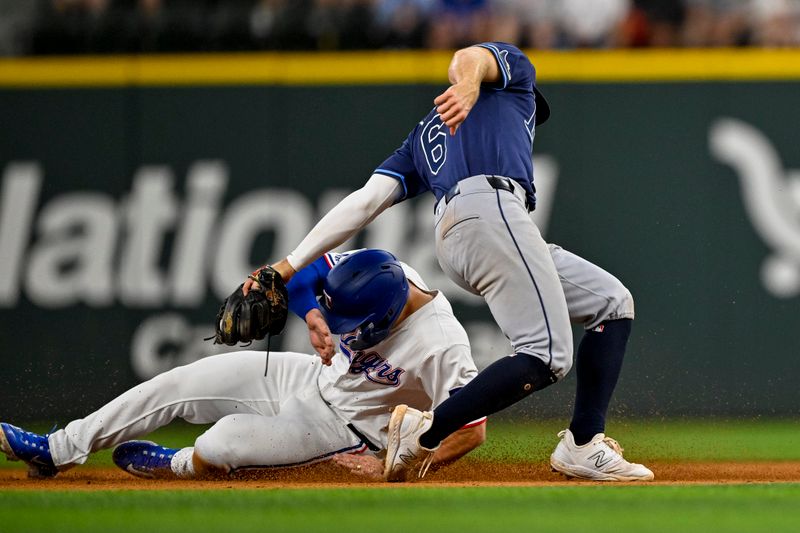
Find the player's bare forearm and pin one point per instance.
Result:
(473, 65)
(452, 448)
(469, 68)
(458, 444)
(283, 267)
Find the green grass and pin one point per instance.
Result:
(683, 440)
(610, 508)
(597, 509)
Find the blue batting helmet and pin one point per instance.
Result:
(364, 293)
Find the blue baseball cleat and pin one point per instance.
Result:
(144, 458)
(31, 448)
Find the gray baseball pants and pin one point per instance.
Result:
(487, 243)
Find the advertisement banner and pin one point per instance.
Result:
(128, 213)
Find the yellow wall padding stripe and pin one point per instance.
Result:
(390, 67)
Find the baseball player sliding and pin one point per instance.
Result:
(473, 152)
(307, 409)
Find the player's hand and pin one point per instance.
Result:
(284, 269)
(361, 465)
(456, 102)
(320, 336)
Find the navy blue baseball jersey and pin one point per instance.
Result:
(495, 139)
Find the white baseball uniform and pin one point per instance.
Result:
(302, 411)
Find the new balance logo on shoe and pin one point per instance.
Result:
(600, 459)
(407, 459)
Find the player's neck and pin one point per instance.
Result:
(416, 299)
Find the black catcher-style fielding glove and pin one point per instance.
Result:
(263, 311)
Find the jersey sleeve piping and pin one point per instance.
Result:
(501, 64)
(396, 175)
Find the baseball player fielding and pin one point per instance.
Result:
(472, 151)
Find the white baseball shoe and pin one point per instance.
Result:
(598, 460)
(404, 453)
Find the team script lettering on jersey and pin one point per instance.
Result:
(374, 367)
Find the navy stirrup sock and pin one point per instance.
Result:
(598, 365)
(501, 384)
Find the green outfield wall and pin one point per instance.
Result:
(136, 192)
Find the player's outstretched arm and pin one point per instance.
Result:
(459, 444)
(284, 268)
(468, 69)
(346, 219)
(452, 448)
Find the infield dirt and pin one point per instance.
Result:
(465, 473)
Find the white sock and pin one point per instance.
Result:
(182, 464)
